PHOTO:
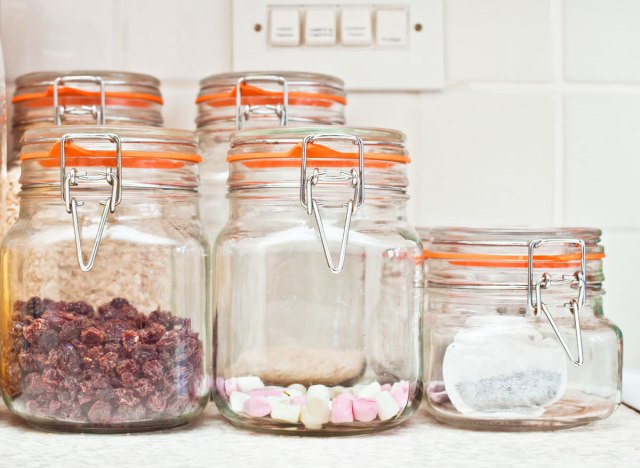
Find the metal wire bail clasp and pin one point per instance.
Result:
(59, 111)
(578, 279)
(244, 112)
(307, 183)
(74, 177)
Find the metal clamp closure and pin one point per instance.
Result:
(244, 112)
(535, 303)
(307, 183)
(59, 111)
(73, 179)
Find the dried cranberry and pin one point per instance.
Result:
(153, 370)
(92, 336)
(79, 308)
(156, 403)
(50, 380)
(100, 412)
(130, 341)
(152, 333)
(108, 362)
(69, 331)
(126, 365)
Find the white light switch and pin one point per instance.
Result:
(355, 27)
(284, 27)
(320, 27)
(391, 27)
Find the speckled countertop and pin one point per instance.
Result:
(210, 442)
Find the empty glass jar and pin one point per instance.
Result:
(81, 97)
(105, 282)
(251, 100)
(515, 336)
(318, 283)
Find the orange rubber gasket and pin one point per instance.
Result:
(318, 153)
(511, 261)
(79, 156)
(66, 91)
(254, 95)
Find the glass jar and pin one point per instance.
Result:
(252, 100)
(515, 336)
(318, 307)
(45, 99)
(105, 282)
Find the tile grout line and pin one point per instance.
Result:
(557, 47)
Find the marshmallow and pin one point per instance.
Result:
(230, 386)
(236, 401)
(337, 390)
(387, 406)
(248, 383)
(274, 400)
(319, 391)
(315, 412)
(266, 392)
(365, 409)
(284, 411)
(257, 407)
(295, 390)
(299, 400)
(370, 391)
(220, 386)
(400, 393)
(342, 409)
(386, 387)
(437, 392)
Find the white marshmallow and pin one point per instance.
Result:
(319, 391)
(315, 412)
(248, 383)
(284, 411)
(387, 406)
(275, 400)
(370, 391)
(295, 390)
(337, 390)
(236, 401)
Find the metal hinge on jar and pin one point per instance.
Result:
(307, 183)
(97, 112)
(577, 280)
(243, 113)
(73, 179)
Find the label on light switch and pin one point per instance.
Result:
(284, 27)
(320, 27)
(355, 27)
(391, 27)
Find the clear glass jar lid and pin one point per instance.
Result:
(501, 258)
(141, 156)
(271, 95)
(73, 93)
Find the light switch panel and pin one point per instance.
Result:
(384, 45)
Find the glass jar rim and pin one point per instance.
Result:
(295, 79)
(117, 84)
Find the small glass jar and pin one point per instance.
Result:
(252, 100)
(515, 336)
(45, 99)
(318, 306)
(105, 282)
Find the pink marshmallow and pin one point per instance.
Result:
(265, 392)
(230, 386)
(386, 387)
(401, 396)
(220, 386)
(342, 409)
(365, 409)
(257, 407)
(300, 400)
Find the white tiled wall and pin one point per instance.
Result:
(539, 122)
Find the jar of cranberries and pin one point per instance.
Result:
(105, 282)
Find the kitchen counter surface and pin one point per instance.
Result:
(422, 442)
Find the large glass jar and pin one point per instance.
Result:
(252, 100)
(515, 336)
(318, 283)
(81, 97)
(105, 282)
